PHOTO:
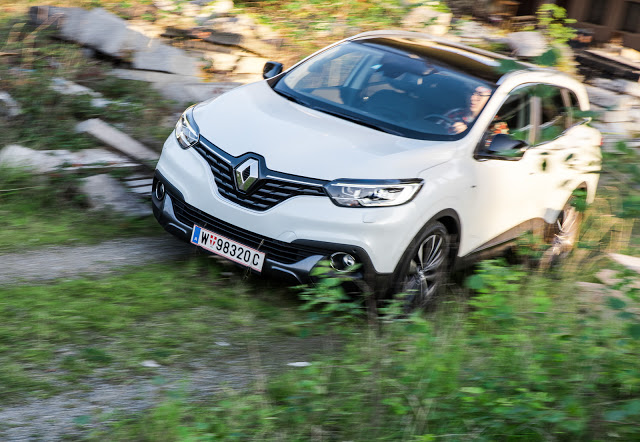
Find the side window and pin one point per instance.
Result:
(513, 123)
(554, 117)
(574, 108)
(514, 117)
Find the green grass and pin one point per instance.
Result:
(38, 211)
(53, 335)
(526, 358)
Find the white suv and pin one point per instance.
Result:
(394, 153)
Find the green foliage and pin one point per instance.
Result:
(520, 361)
(43, 210)
(552, 19)
(326, 300)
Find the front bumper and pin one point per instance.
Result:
(293, 261)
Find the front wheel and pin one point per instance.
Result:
(423, 268)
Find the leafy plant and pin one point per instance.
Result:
(552, 19)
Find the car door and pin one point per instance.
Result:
(507, 187)
(565, 141)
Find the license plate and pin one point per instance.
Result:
(230, 249)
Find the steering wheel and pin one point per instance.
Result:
(440, 118)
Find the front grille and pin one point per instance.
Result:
(266, 193)
(279, 251)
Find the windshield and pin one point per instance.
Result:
(394, 91)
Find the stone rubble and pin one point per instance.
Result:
(104, 192)
(527, 43)
(8, 106)
(184, 90)
(67, 87)
(112, 35)
(49, 161)
(427, 19)
(118, 140)
(618, 102)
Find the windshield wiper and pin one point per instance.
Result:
(360, 121)
(292, 97)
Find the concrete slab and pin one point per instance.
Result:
(250, 65)
(222, 62)
(8, 106)
(139, 182)
(608, 99)
(104, 192)
(630, 262)
(163, 58)
(175, 87)
(144, 191)
(46, 161)
(111, 35)
(118, 140)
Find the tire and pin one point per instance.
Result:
(562, 235)
(422, 270)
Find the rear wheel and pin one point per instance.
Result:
(562, 236)
(423, 268)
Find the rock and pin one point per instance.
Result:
(223, 344)
(160, 57)
(117, 140)
(111, 35)
(165, 5)
(8, 106)
(222, 62)
(246, 42)
(176, 87)
(223, 6)
(527, 43)
(608, 99)
(618, 85)
(630, 262)
(471, 31)
(616, 116)
(299, 364)
(150, 364)
(67, 87)
(630, 54)
(46, 161)
(247, 78)
(250, 65)
(141, 186)
(106, 193)
(428, 19)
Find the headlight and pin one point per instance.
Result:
(187, 132)
(372, 193)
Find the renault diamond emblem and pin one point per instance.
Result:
(246, 174)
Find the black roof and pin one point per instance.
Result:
(482, 64)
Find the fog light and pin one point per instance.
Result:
(160, 191)
(342, 262)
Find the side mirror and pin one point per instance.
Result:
(506, 145)
(271, 69)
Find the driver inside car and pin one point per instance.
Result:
(463, 117)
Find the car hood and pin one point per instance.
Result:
(301, 141)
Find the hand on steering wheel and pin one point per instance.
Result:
(452, 126)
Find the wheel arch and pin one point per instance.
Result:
(450, 219)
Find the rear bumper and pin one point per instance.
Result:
(293, 261)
